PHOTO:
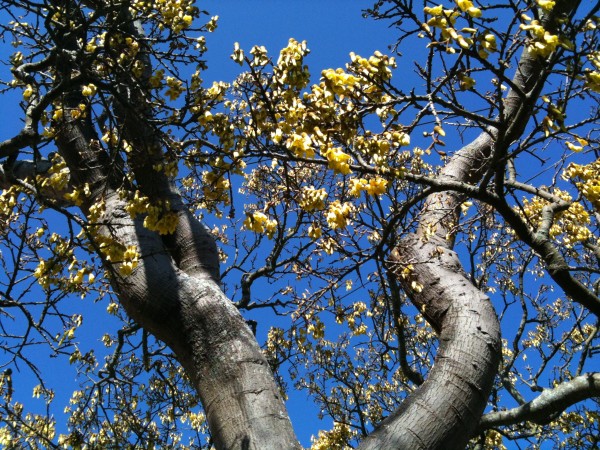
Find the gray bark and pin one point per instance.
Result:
(443, 412)
(548, 404)
(174, 291)
(186, 308)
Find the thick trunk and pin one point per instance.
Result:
(190, 313)
(444, 412)
(174, 290)
(174, 294)
(210, 338)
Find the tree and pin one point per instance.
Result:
(473, 198)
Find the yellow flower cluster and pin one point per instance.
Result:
(238, 54)
(378, 147)
(546, 5)
(374, 186)
(312, 199)
(339, 214)
(164, 223)
(174, 88)
(94, 43)
(216, 187)
(8, 200)
(259, 223)
(445, 19)
(340, 82)
(48, 272)
(465, 82)
(156, 80)
(589, 185)
(336, 439)
(468, 7)
(27, 92)
(354, 318)
(176, 15)
(126, 256)
(338, 161)
(316, 328)
(259, 56)
(129, 260)
(570, 224)
(89, 90)
(314, 231)
(542, 42)
(300, 145)
(39, 427)
(170, 169)
(78, 194)
(555, 120)
(158, 218)
(378, 66)
(592, 77)
(581, 143)
(57, 176)
(487, 45)
(290, 69)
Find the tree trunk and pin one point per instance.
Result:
(444, 412)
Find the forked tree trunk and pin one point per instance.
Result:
(174, 294)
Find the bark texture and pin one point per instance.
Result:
(444, 412)
(174, 292)
(548, 404)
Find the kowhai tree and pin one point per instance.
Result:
(425, 257)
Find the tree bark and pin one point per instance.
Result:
(444, 412)
(548, 404)
(174, 291)
(189, 312)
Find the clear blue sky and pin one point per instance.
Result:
(332, 30)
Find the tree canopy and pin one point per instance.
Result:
(424, 257)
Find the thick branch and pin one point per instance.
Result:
(174, 293)
(548, 404)
(442, 413)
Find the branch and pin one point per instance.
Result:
(549, 403)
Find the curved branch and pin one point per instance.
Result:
(548, 404)
(430, 272)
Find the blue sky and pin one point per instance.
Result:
(332, 30)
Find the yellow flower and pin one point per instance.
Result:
(89, 90)
(546, 5)
(338, 214)
(314, 232)
(338, 161)
(573, 147)
(27, 92)
(312, 199)
(260, 223)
